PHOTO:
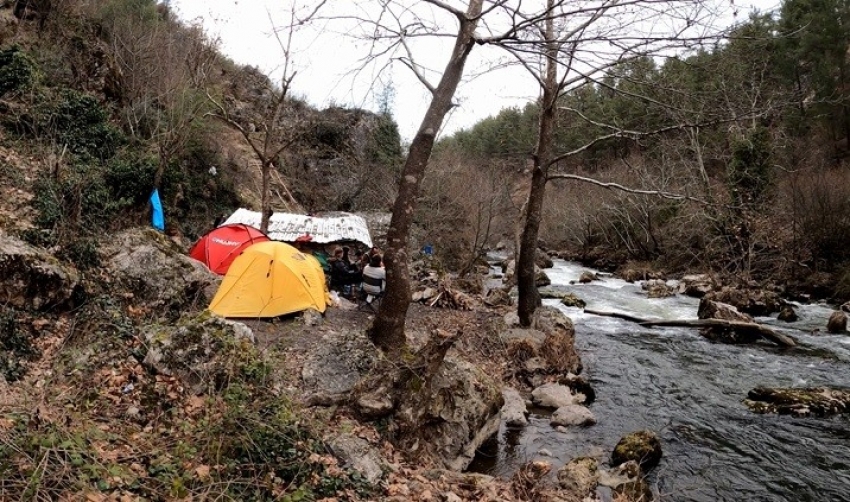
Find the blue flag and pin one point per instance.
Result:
(157, 216)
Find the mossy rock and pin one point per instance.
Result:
(571, 300)
(818, 401)
(643, 447)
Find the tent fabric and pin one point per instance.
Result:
(270, 279)
(219, 247)
(157, 214)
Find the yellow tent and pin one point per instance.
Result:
(270, 279)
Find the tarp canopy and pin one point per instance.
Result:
(322, 229)
(219, 247)
(271, 279)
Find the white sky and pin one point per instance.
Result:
(327, 61)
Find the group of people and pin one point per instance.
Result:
(364, 272)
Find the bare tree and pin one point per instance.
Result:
(276, 125)
(565, 45)
(387, 332)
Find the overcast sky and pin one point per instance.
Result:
(327, 61)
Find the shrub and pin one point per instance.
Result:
(17, 71)
(77, 120)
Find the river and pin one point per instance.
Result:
(689, 390)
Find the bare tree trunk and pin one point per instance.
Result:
(387, 331)
(529, 298)
(265, 198)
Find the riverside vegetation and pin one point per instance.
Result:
(115, 384)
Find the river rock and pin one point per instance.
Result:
(552, 395)
(787, 313)
(156, 272)
(710, 309)
(571, 300)
(357, 455)
(696, 285)
(628, 483)
(335, 365)
(583, 392)
(587, 276)
(658, 288)
(31, 278)
(572, 414)
(643, 447)
(559, 345)
(540, 278)
(818, 401)
(837, 322)
(514, 412)
(757, 302)
(542, 260)
(201, 350)
(578, 478)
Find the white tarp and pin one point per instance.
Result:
(287, 227)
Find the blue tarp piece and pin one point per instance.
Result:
(157, 216)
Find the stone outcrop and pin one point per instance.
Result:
(156, 272)
(818, 401)
(551, 338)
(837, 322)
(643, 447)
(200, 350)
(31, 278)
(335, 365)
(462, 412)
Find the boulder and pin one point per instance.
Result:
(552, 395)
(513, 412)
(542, 260)
(572, 414)
(658, 288)
(587, 276)
(696, 285)
(787, 313)
(571, 300)
(335, 365)
(558, 348)
(498, 297)
(155, 271)
(462, 412)
(818, 401)
(31, 278)
(755, 302)
(837, 322)
(540, 278)
(709, 309)
(201, 350)
(357, 455)
(578, 478)
(643, 447)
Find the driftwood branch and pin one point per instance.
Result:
(740, 326)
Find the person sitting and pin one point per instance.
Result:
(342, 277)
(374, 277)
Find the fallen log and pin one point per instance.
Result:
(740, 326)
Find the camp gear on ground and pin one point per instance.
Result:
(218, 248)
(270, 279)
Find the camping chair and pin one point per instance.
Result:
(370, 300)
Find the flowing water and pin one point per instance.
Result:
(689, 390)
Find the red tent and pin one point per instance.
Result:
(219, 247)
